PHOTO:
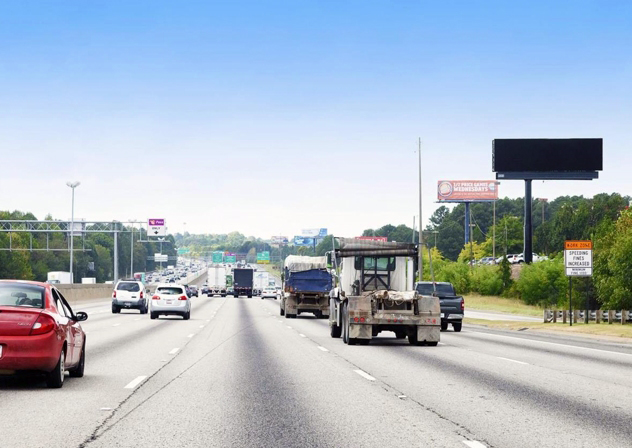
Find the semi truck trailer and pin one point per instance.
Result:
(242, 282)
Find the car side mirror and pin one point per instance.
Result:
(81, 316)
(147, 291)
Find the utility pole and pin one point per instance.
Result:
(421, 238)
(72, 185)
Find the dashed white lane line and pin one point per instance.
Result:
(513, 360)
(191, 335)
(208, 320)
(365, 375)
(322, 348)
(116, 325)
(174, 351)
(201, 326)
(474, 444)
(137, 319)
(135, 382)
(302, 335)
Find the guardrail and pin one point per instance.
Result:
(598, 316)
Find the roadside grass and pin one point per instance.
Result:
(501, 304)
(603, 329)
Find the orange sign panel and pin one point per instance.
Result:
(568, 245)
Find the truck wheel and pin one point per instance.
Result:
(444, 326)
(346, 326)
(457, 326)
(400, 334)
(432, 343)
(281, 311)
(250, 296)
(364, 341)
(412, 338)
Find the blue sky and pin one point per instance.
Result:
(270, 117)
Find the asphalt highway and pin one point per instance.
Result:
(240, 375)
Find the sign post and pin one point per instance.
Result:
(578, 262)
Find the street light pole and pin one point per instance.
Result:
(421, 238)
(72, 185)
(131, 263)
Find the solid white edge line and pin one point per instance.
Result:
(135, 382)
(191, 335)
(513, 360)
(474, 444)
(174, 351)
(365, 375)
(322, 348)
(551, 343)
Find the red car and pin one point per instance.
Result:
(39, 332)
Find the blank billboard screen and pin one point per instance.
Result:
(539, 154)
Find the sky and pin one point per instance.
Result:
(269, 117)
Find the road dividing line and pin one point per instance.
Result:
(191, 335)
(201, 326)
(322, 348)
(116, 325)
(513, 360)
(174, 351)
(138, 318)
(474, 444)
(135, 382)
(363, 374)
(302, 335)
(289, 326)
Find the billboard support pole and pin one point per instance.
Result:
(467, 222)
(528, 227)
(494, 234)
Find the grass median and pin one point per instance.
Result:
(501, 305)
(610, 330)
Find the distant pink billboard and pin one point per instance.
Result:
(467, 190)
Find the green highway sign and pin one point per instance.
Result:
(183, 251)
(218, 256)
(230, 259)
(263, 257)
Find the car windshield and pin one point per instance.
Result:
(427, 289)
(14, 294)
(169, 290)
(128, 286)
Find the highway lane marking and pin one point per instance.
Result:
(552, 343)
(174, 351)
(289, 327)
(138, 318)
(513, 360)
(202, 326)
(365, 375)
(474, 444)
(322, 348)
(135, 382)
(116, 325)
(303, 336)
(191, 335)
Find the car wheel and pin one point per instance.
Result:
(250, 296)
(115, 309)
(187, 315)
(153, 315)
(457, 326)
(77, 372)
(55, 379)
(444, 326)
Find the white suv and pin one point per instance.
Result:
(170, 299)
(129, 294)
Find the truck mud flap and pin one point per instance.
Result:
(360, 331)
(429, 334)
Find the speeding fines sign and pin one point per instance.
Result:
(578, 258)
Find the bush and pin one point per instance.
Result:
(456, 273)
(487, 281)
(543, 283)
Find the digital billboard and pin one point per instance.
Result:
(545, 155)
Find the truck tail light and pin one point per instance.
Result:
(156, 297)
(182, 298)
(114, 294)
(362, 319)
(43, 325)
(462, 304)
(356, 319)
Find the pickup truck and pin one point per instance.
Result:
(452, 306)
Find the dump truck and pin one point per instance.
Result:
(373, 293)
(307, 283)
(242, 282)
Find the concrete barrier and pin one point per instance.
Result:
(86, 292)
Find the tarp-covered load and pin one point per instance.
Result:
(350, 247)
(394, 296)
(298, 263)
